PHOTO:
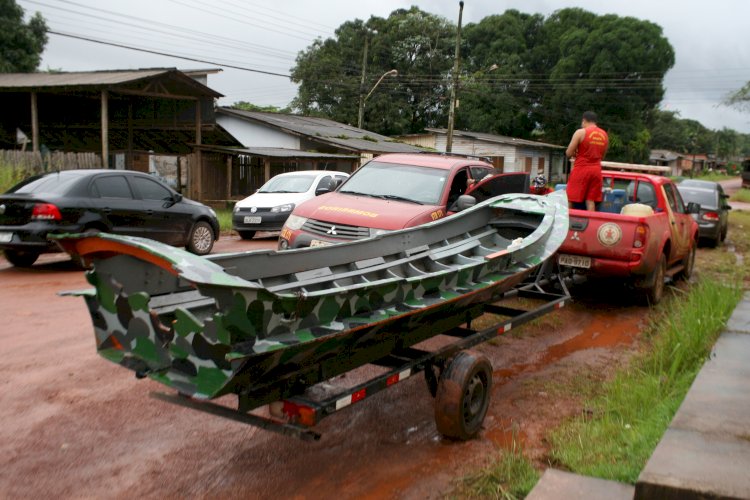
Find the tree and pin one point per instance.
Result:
(739, 99)
(415, 43)
(609, 64)
(21, 44)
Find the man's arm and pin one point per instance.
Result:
(574, 142)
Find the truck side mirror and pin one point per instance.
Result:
(693, 208)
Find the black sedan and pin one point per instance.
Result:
(113, 201)
(713, 219)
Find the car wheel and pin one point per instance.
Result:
(21, 258)
(201, 239)
(655, 292)
(246, 235)
(689, 263)
(724, 232)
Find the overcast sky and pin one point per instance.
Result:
(711, 40)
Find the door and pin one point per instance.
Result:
(113, 199)
(163, 220)
(679, 221)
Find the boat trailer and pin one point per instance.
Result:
(458, 379)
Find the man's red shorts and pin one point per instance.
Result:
(585, 183)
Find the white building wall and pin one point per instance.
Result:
(256, 135)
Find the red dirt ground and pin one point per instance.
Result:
(75, 425)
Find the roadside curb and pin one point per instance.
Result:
(705, 452)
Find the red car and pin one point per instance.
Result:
(642, 231)
(393, 192)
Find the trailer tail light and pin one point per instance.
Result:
(45, 211)
(710, 216)
(641, 235)
(302, 414)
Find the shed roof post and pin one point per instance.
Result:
(105, 129)
(34, 123)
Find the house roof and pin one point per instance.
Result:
(96, 80)
(499, 139)
(276, 152)
(325, 131)
(664, 154)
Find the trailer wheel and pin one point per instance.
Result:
(463, 395)
(431, 376)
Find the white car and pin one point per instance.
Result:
(271, 205)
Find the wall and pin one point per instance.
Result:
(255, 135)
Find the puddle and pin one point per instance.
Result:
(506, 434)
(605, 331)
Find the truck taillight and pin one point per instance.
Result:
(712, 216)
(299, 413)
(45, 211)
(641, 235)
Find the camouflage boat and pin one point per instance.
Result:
(264, 324)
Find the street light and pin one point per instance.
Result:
(392, 72)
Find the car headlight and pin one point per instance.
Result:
(283, 208)
(295, 222)
(236, 208)
(212, 211)
(378, 232)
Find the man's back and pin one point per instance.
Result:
(592, 147)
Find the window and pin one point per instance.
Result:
(150, 190)
(675, 202)
(479, 173)
(112, 186)
(325, 182)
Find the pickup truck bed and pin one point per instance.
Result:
(645, 248)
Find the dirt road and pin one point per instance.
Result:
(75, 425)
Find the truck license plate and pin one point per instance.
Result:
(6, 237)
(574, 261)
(320, 243)
(252, 220)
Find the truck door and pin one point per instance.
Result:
(679, 222)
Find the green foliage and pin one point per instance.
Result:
(225, 219)
(739, 99)
(634, 409)
(9, 177)
(248, 106)
(22, 43)
(412, 41)
(742, 195)
(523, 75)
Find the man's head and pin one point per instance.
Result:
(589, 118)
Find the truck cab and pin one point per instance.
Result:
(393, 192)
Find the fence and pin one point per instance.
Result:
(25, 163)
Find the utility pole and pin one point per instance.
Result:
(456, 62)
(361, 114)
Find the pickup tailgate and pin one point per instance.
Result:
(605, 236)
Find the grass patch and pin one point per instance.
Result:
(742, 195)
(714, 177)
(225, 219)
(9, 177)
(634, 409)
(510, 476)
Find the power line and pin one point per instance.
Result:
(156, 52)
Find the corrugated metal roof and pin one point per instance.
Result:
(326, 131)
(95, 79)
(278, 152)
(500, 139)
(664, 154)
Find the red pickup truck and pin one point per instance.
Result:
(625, 239)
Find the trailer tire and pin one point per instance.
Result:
(463, 396)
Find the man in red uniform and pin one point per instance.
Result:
(587, 148)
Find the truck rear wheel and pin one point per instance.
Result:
(463, 396)
(688, 262)
(655, 292)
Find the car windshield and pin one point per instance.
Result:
(56, 183)
(288, 184)
(409, 183)
(706, 198)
